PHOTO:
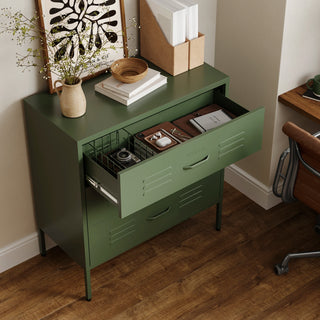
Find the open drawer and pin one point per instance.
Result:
(163, 174)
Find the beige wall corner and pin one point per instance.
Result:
(299, 62)
(207, 26)
(248, 49)
(267, 48)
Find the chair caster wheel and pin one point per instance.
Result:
(317, 228)
(279, 269)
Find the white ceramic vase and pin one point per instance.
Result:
(73, 102)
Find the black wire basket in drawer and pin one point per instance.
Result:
(117, 150)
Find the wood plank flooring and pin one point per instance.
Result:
(189, 272)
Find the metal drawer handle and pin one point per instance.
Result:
(206, 158)
(158, 215)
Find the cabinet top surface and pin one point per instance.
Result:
(104, 113)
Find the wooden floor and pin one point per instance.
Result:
(189, 272)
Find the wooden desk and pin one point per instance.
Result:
(294, 100)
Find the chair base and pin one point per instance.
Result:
(283, 267)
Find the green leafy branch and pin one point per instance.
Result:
(67, 63)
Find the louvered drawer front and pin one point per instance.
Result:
(121, 232)
(110, 235)
(157, 181)
(191, 196)
(185, 203)
(192, 161)
(176, 168)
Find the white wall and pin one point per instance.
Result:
(300, 61)
(248, 49)
(267, 48)
(207, 26)
(18, 237)
(17, 218)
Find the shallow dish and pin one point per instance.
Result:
(129, 70)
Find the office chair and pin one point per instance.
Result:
(301, 179)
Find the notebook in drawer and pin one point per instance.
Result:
(184, 122)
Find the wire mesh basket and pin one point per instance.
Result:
(117, 151)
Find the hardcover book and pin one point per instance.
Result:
(162, 80)
(185, 124)
(130, 89)
(210, 120)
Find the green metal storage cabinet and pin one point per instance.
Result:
(94, 216)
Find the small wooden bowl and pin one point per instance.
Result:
(129, 70)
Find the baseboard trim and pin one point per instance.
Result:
(251, 187)
(21, 250)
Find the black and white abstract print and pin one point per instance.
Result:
(78, 26)
(68, 19)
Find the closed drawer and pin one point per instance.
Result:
(158, 177)
(109, 235)
(183, 205)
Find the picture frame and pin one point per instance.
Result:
(93, 19)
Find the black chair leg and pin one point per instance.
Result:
(283, 267)
(317, 226)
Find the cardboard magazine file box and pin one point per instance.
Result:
(155, 47)
(196, 51)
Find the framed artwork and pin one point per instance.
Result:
(78, 26)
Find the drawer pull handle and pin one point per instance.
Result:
(206, 158)
(158, 215)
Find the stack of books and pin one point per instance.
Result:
(127, 93)
(178, 19)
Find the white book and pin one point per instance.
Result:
(130, 89)
(171, 18)
(127, 101)
(192, 19)
(210, 120)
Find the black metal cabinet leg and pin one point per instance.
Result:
(87, 278)
(218, 216)
(42, 243)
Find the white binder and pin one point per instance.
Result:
(171, 17)
(192, 19)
